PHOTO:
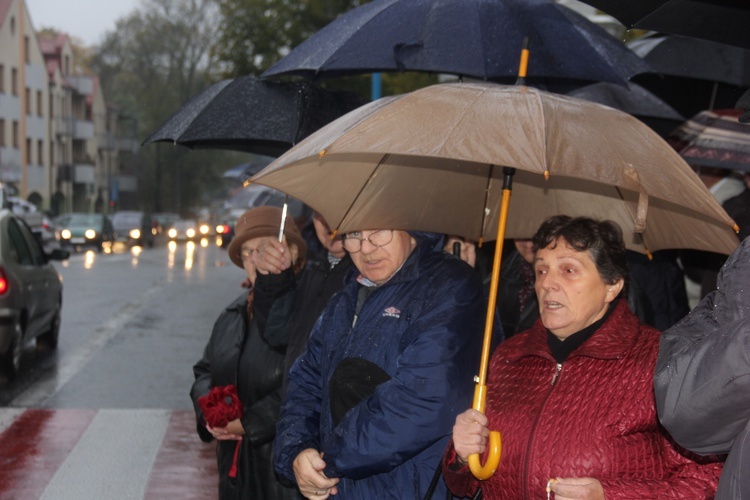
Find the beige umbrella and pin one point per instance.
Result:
(441, 159)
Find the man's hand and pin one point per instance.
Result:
(308, 470)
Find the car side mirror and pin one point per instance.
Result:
(58, 254)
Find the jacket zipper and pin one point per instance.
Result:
(557, 373)
(529, 446)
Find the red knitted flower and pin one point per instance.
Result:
(221, 405)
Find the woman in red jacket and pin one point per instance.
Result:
(573, 395)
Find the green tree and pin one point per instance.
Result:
(152, 62)
(255, 34)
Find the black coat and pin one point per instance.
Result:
(237, 353)
(305, 301)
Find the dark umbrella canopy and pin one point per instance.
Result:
(635, 100)
(693, 74)
(724, 21)
(252, 115)
(694, 58)
(714, 139)
(632, 99)
(473, 38)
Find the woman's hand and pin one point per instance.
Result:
(232, 432)
(470, 434)
(586, 488)
(311, 481)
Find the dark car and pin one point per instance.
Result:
(134, 228)
(81, 230)
(30, 292)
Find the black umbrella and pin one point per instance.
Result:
(724, 21)
(472, 38)
(693, 74)
(695, 58)
(257, 116)
(635, 100)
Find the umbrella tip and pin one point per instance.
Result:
(736, 228)
(322, 153)
(333, 234)
(546, 175)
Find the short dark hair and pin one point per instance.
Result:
(602, 239)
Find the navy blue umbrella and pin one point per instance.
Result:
(470, 38)
(252, 115)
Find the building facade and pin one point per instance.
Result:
(59, 140)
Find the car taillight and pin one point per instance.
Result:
(3, 282)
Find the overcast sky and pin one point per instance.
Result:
(84, 19)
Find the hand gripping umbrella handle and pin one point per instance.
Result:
(485, 471)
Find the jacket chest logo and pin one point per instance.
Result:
(391, 312)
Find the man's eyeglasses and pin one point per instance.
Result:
(353, 241)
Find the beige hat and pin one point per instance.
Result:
(264, 221)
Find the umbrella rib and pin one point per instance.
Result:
(362, 189)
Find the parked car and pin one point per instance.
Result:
(183, 229)
(134, 228)
(30, 292)
(81, 230)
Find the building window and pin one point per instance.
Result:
(27, 94)
(14, 81)
(2, 79)
(26, 50)
(39, 104)
(51, 153)
(51, 98)
(28, 152)
(15, 134)
(2, 133)
(40, 152)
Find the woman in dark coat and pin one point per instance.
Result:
(247, 351)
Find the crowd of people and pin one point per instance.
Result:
(353, 357)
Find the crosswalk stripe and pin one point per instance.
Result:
(113, 458)
(113, 454)
(33, 447)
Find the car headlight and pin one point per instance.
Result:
(90, 234)
(204, 228)
(190, 233)
(172, 233)
(65, 234)
(135, 233)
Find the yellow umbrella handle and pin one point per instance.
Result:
(495, 445)
(480, 390)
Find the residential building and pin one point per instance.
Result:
(59, 139)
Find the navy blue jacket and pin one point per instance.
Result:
(424, 329)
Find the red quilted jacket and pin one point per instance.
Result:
(592, 416)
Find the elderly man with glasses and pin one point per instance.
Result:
(371, 403)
